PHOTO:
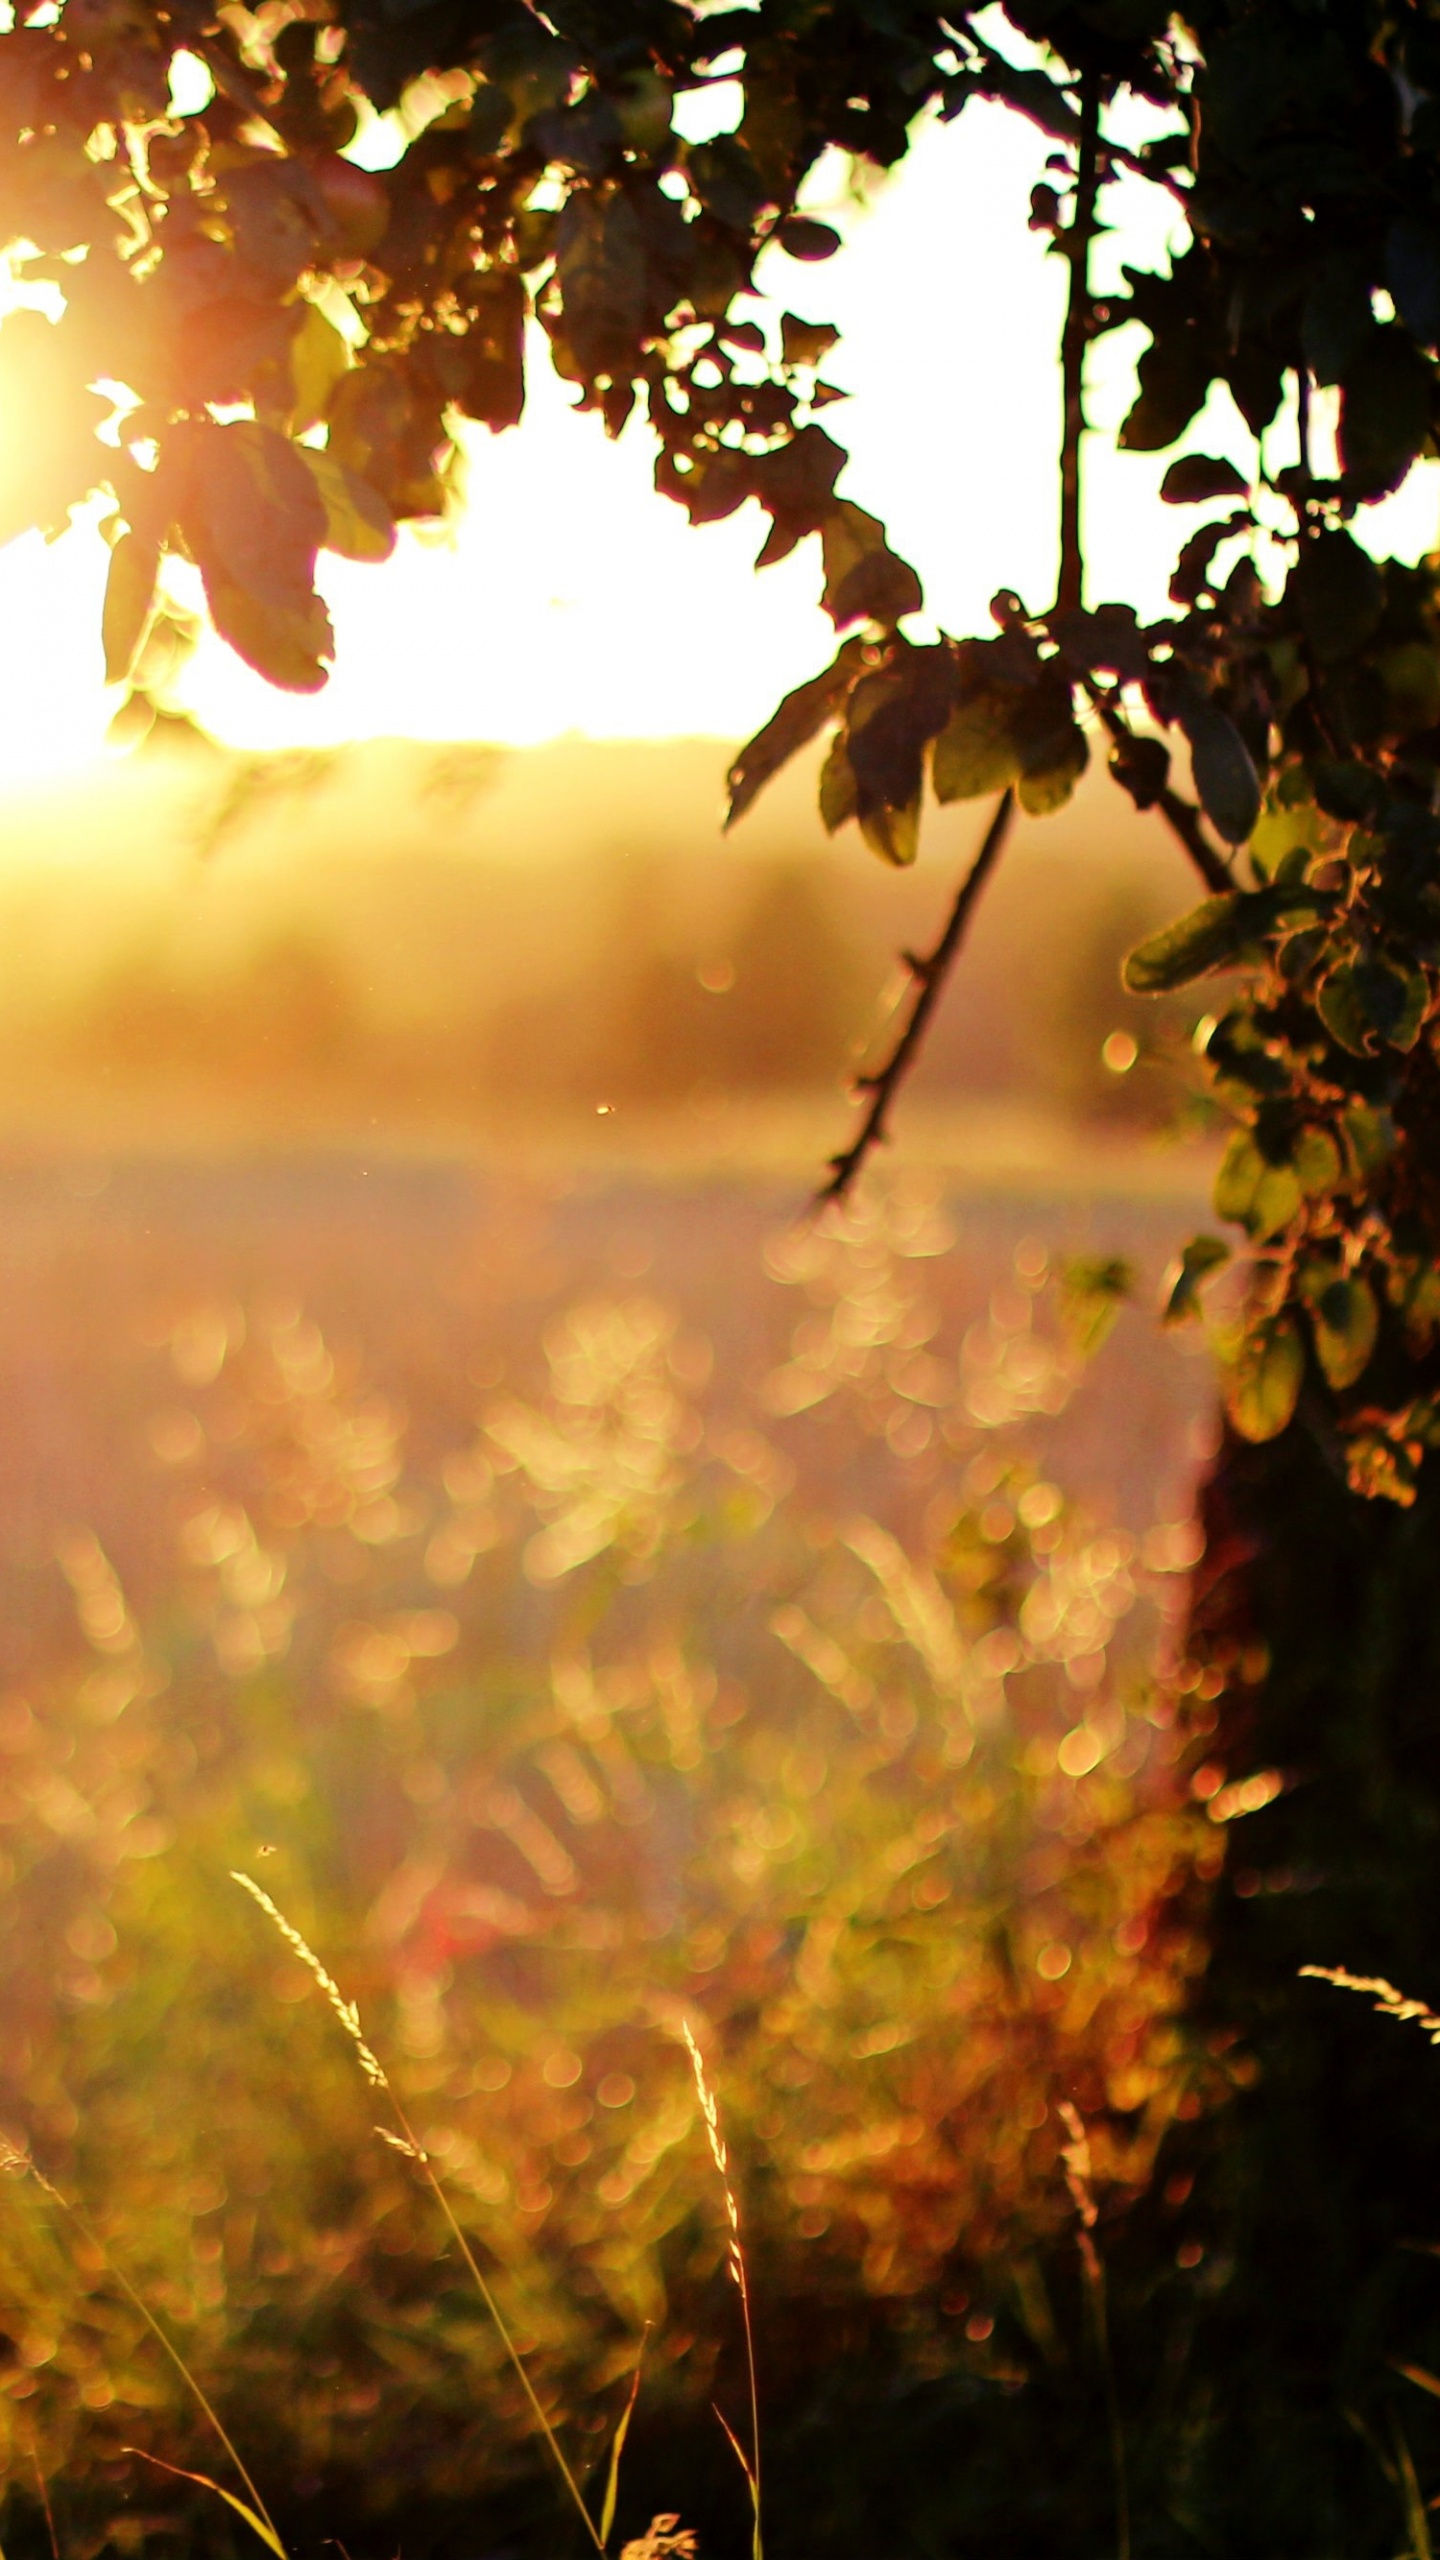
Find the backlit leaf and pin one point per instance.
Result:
(1346, 1320)
(975, 752)
(358, 524)
(1047, 782)
(1210, 937)
(800, 717)
(1264, 1377)
(1180, 1289)
(129, 597)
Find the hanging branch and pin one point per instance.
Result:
(1181, 816)
(928, 971)
(1069, 593)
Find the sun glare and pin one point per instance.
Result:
(567, 597)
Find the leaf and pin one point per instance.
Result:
(1316, 1160)
(1260, 1196)
(1181, 1285)
(129, 598)
(1416, 2373)
(255, 518)
(864, 579)
(799, 718)
(1386, 394)
(1047, 782)
(976, 752)
(1412, 274)
(1346, 1320)
(1210, 937)
(839, 794)
(358, 524)
(1198, 477)
(290, 645)
(801, 238)
(1142, 767)
(751, 2482)
(1264, 1377)
(1225, 778)
(806, 342)
(1365, 1000)
(1093, 1289)
(1338, 592)
(202, 2480)
(893, 831)
(319, 357)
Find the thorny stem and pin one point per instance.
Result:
(928, 972)
(1069, 594)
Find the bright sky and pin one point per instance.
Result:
(569, 597)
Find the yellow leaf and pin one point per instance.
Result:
(129, 599)
(318, 359)
(358, 524)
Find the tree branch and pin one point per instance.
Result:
(928, 972)
(1181, 816)
(1075, 339)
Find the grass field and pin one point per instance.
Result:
(589, 1601)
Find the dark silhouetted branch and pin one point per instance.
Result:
(1069, 593)
(928, 972)
(1181, 816)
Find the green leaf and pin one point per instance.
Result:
(864, 579)
(1345, 1320)
(1048, 780)
(1260, 1196)
(1225, 778)
(1198, 477)
(1316, 1160)
(1365, 1000)
(318, 359)
(893, 833)
(1181, 1286)
(1370, 1139)
(255, 518)
(975, 752)
(1093, 1289)
(1264, 1377)
(839, 791)
(129, 599)
(800, 717)
(1210, 937)
(358, 524)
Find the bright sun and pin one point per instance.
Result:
(567, 596)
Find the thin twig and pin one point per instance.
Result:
(1181, 816)
(1075, 339)
(928, 972)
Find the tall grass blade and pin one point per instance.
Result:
(751, 2482)
(612, 2476)
(1417, 2522)
(721, 2157)
(21, 2163)
(407, 2141)
(1416, 2373)
(203, 2480)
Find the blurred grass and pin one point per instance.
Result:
(794, 1694)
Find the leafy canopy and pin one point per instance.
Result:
(277, 346)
